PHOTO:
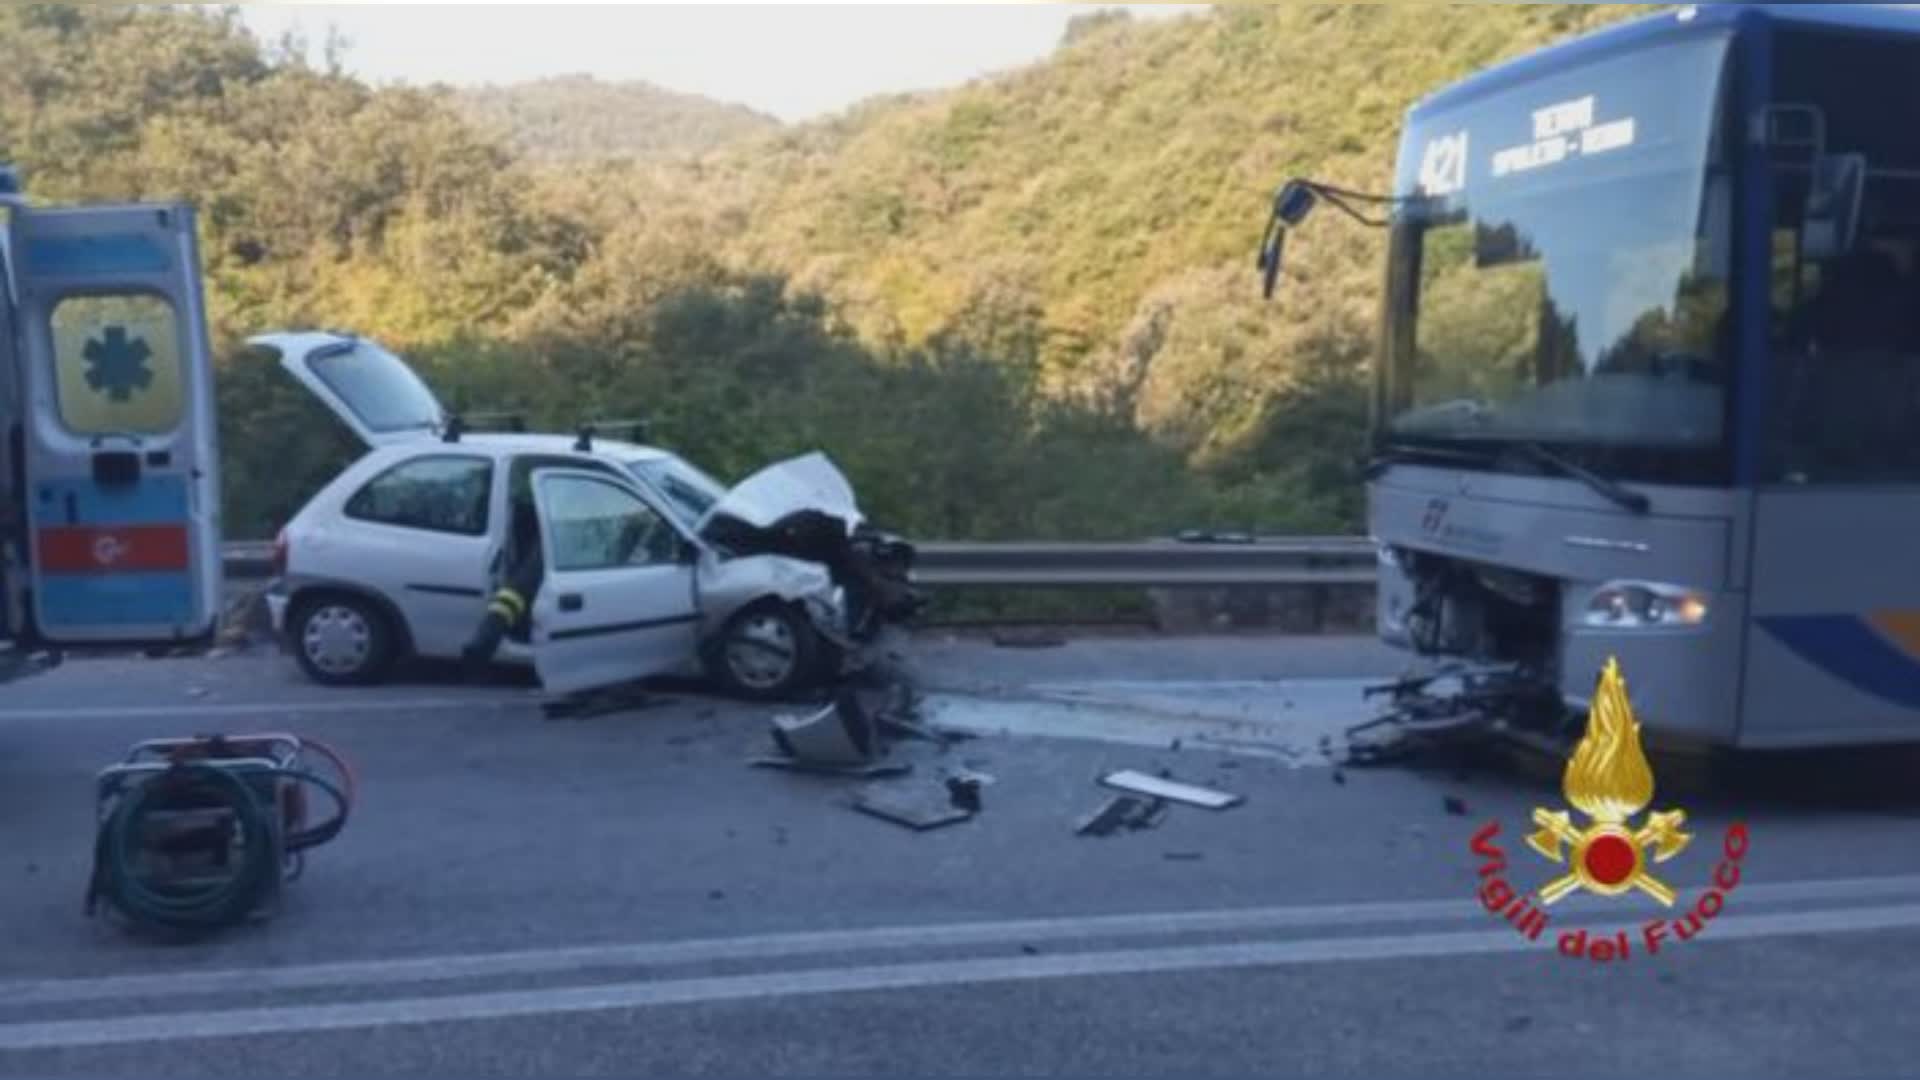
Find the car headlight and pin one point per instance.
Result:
(1620, 604)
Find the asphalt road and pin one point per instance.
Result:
(622, 894)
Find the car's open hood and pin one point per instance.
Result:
(806, 486)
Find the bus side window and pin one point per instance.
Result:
(1846, 364)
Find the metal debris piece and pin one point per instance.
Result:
(841, 733)
(867, 769)
(964, 793)
(1501, 700)
(1110, 816)
(1158, 787)
(1123, 812)
(917, 813)
(1150, 815)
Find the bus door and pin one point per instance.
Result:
(121, 479)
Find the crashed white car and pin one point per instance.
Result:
(768, 587)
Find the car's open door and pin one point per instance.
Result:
(120, 457)
(617, 602)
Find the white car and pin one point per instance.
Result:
(650, 566)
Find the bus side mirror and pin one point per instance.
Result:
(1291, 205)
(1294, 202)
(1831, 224)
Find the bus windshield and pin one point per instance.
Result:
(1559, 274)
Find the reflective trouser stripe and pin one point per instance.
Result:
(508, 605)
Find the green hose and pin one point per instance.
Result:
(181, 906)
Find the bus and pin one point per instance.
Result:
(1648, 384)
(109, 467)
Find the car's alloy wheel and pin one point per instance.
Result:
(341, 640)
(766, 651)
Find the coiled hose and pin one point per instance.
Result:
(269, 846)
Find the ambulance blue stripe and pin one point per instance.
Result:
(76, 600)
(1846, 647)
(155, 500)
(91, 256)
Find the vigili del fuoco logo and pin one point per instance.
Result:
(1609, 781)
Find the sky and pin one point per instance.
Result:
(793, 61)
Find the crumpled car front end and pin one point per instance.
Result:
(794, 530)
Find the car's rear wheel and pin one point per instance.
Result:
(342, 640)
(766, 652)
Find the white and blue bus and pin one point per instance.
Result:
(109, 469)
(1649, 379)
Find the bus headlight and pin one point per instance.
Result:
(1642, 603)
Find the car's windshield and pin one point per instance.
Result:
(689, 492)
(381, 390)
(1561, 275)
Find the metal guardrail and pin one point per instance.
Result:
(1276, 561)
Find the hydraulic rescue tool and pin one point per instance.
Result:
(200, 833)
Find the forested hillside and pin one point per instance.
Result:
(579, 118)
(1025, 307)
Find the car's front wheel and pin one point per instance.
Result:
(341, 640)
(767, 652)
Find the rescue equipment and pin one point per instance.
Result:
(199, 833)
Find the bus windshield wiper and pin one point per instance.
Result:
(1611, 489)
(1389, 456)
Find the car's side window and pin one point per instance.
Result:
(446, 493)
(595, 525)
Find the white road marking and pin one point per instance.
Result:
(176, 984)
(170, 1027)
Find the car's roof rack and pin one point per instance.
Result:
(459, 424)
(636, 431)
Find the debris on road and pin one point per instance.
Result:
(1109, 816)
(1164, 788)
(928, 810)
(1455, 805)
(971, 775)
(842, 733)
(841, 738)
(964, 793)
(1182, 856)
(1500, 700)
(1123, 812)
